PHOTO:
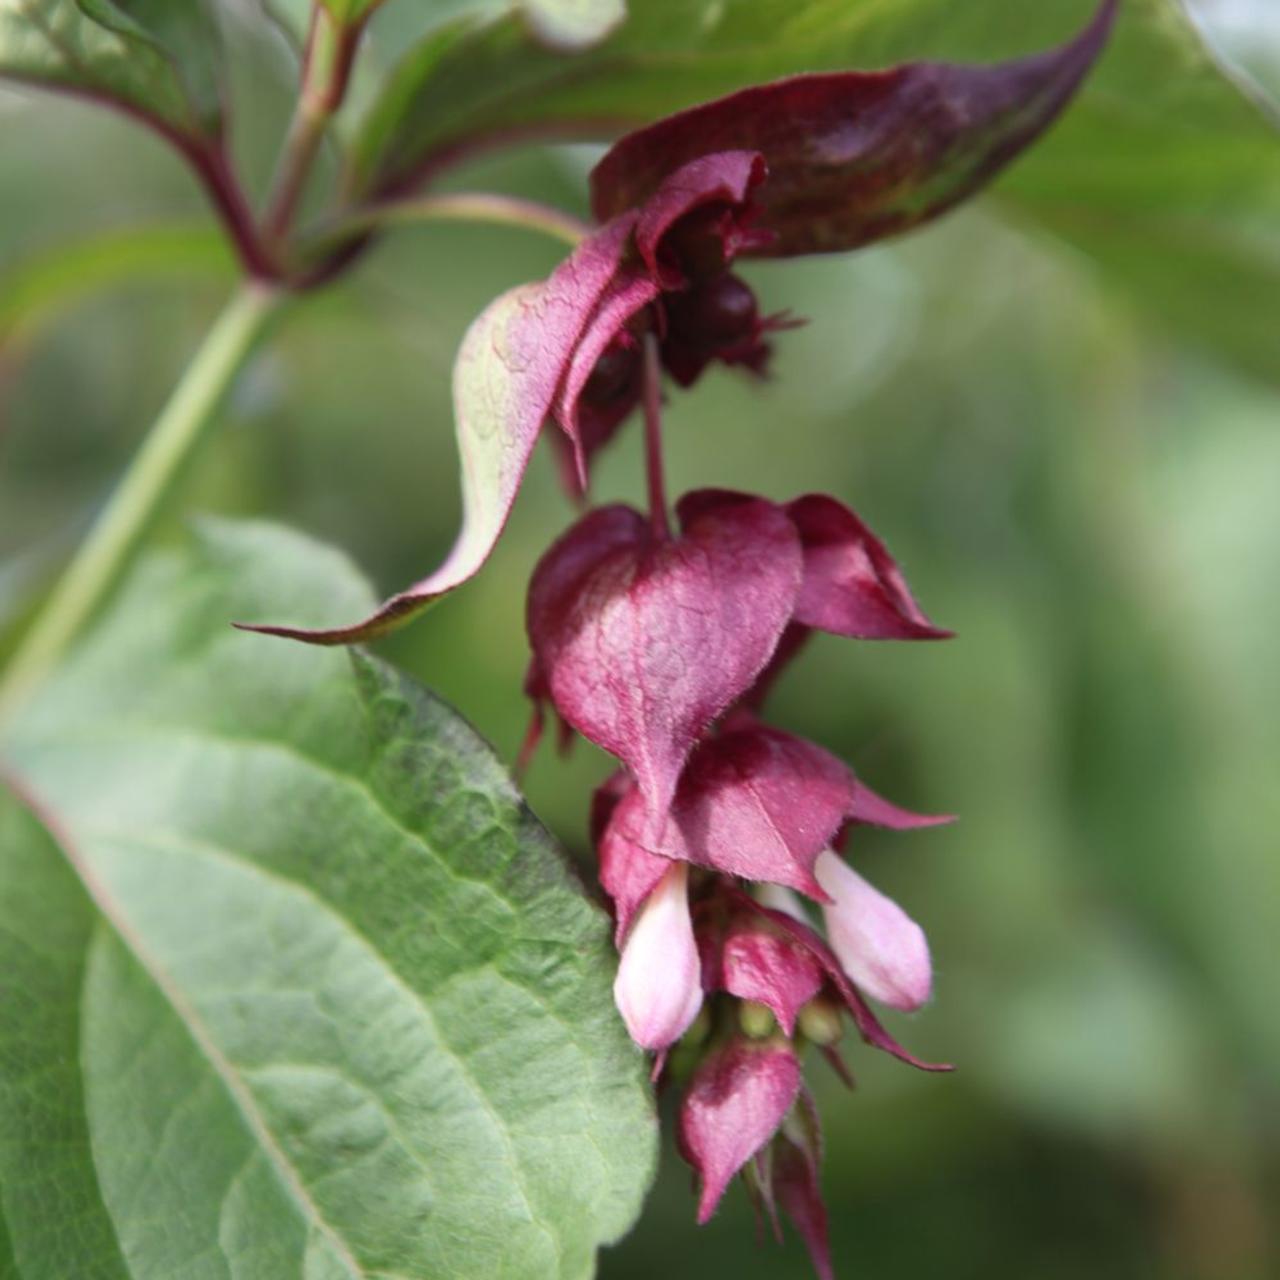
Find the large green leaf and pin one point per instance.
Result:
(160, 59)
(282, 947)
(1161, 158)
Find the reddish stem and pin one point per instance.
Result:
(653, 437)
(212, 167)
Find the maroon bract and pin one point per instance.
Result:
(643, 641)
(628, 871)
(852, 586)
(751, 958)
(857, 156)
(794, 1165)
(755, 803)
(734, 1104)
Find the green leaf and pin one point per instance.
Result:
(321, 993)
(1160, 152)
(160, 59)
(49, 1192)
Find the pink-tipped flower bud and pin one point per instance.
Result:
(879, 946)
(658, 989)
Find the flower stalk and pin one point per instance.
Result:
(653, 439)
(326, 69)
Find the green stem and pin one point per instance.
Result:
(107, 549)
(326, 69)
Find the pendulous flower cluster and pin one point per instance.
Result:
(660, 647)
(661, 644)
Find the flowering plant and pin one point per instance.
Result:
(295, 937)
(660, 646)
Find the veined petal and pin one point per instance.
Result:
(645, 641)
(879, 946)
(658, 989)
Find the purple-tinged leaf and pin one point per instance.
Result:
(627, 294)
(857, 156)
(735, 1102)
(611, 393)
(506, 379)
(645, 642)
(852, 585)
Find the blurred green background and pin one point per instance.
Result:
(1094, 508)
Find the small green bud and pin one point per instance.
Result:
(820, 1022)
(756, 1019)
